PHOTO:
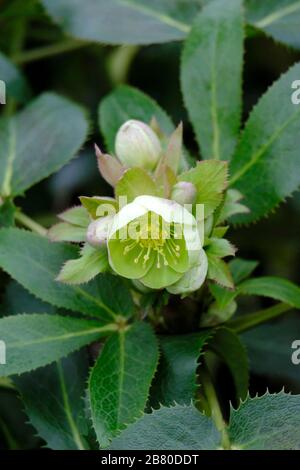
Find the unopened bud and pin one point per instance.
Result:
(138, 145)
(98, 231)
(184, 193)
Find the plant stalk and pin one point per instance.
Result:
(29, 223)
(244, 323)
(214, 405)
(48, 51)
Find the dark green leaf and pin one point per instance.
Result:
(120, 381)
(36, 340)
(270, 422)
(53, 397)
(278, 18)
(175, 381)
(7, 213)
(35, 263)
(212, 77)
(142, 22)
(39, 141)
(18, 300)
(227, 345)
(176, 428)
(266, 165)
(274, 287)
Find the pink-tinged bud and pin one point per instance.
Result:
(138, 145)
(98, 231)
(184, 193)
(110, 168)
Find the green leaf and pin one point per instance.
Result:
(277, 18)
(227, 345)
(220, 247)
(92, 204)
(39, 141)
(126, 103)
(120, 381)
(175, 381)
(143, 22)
(212, 77)
(219, 272)
(270, 422)
(241, 269)
(16, 84)
(176, 428)
(232, 206)
(35, 263)
(17, 300)
(64, 232)
(210, 179)
(77, 215)
(265, 167)
(270, 350)
(59, 419)
(35, 340)
(135, 182)
(91, 262)
(7, 213)
(274, 287)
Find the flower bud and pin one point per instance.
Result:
(138, 145)
(98, 230)
(184, 193)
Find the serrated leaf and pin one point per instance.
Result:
(79, 271)
(227, 345)
(38, 141)
(270, 422)
(135, 182)
(219, 272)
(35, 340)
(220, 247)
(92, 204)
(142, 22)
(210, 179)
(59, 420)
(232, 206)
(126, 103)
(277, 18)
(175, 428)
(17, 300)
(77, 215)
(270, 350)
(211, 77)
(120, 381)
(64, 232)
(175, 380)
(274, 287)
(266, 165)
(35, 263)
(16, 84)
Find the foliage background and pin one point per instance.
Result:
(86, 75)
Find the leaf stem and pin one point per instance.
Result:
(214, 405)
(251, 320)
(48, 51)
(27, 222)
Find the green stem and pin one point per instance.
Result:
(31, 224)
(48, 51)
(251, 320)
(214, 405)
(11, 442)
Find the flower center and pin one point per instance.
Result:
(150, 235)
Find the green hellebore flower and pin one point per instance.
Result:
(155, 241)
(137, 145)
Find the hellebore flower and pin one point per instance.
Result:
(155, 241)
(137, 145)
